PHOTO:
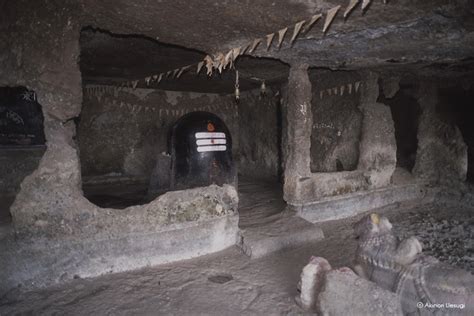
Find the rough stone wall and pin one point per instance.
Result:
(259, 135)
(442, 154)
(171, 208)
(123, 132)
(337, 121)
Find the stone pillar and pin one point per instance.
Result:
(378, 147)
(298, 130)
(49, 196)
(442, 154)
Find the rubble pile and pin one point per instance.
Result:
(450, 240)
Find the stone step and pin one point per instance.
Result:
(284, 231)
(348, 205)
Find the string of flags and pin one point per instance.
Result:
(340, 90)
(108, 95)
(222, 61)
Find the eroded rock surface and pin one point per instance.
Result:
(442, 153)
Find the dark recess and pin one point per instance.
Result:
(21, 119)
(22, 142)
(405, 113)
(456, 107)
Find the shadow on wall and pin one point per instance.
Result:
(22, 142)
(455, 107)
(405, 113)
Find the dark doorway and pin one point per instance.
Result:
(456, 107)
(260, 156)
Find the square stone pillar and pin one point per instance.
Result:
(298, 130)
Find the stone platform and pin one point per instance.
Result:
(348, 205)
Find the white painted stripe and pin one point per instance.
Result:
(209, 135)
(202, 149)
(212, 141)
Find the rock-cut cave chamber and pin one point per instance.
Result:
(190, 157)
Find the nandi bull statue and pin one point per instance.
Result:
(425, 286)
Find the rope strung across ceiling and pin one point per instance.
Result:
(221, 61)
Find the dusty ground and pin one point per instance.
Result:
(220, 284)
(259, 201)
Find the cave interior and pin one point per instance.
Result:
(218, 145)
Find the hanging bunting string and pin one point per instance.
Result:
(221, 61)
(107, 95)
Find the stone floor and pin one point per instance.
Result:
(259, 200)
(225, 283)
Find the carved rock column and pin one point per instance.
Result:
(298, 130)
(378, 147)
